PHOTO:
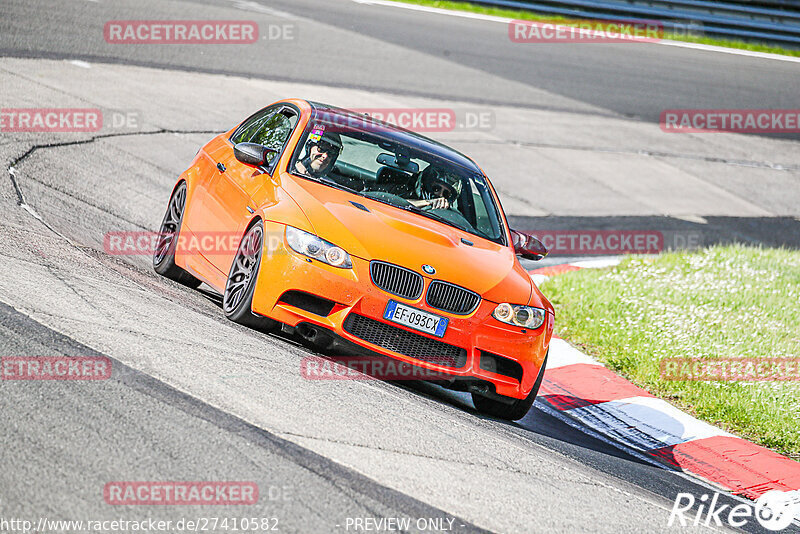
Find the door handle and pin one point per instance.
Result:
(221, 167)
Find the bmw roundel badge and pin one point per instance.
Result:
(428, 269)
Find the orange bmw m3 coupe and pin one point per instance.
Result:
(348, 229)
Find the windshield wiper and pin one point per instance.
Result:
(331, 182)
(427, 213)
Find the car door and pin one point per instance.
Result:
(229, 201)
(205, 213)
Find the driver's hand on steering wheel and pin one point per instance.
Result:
(439, 203)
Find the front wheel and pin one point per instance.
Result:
(237, 301)
(516, 410)
(164, 254)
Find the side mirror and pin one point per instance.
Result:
(252, 154)
(528, 246)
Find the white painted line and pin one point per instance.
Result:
(597, 264)
(440, 11)
(645, 422)
(691, 218)
(13, 173)
(247, 5)
(81, 64)
(539, 279)
(724, 50)
(504, 20)
(563, 354)
(31, 211)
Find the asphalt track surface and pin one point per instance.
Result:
(366, 46)
(195, 397)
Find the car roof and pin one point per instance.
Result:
(336, 115)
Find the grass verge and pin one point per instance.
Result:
(519, 14)
(720, 302)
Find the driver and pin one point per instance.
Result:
(320, 155)
(437, 188)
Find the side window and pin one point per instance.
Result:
(275, 131)
(271, 128)
(251, 126)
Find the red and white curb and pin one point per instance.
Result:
(582, 389)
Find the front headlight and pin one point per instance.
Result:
(524, 316)
(315, 247)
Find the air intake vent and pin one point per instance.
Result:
(396, 280)
(502, 366)
(405, 342)
(452, 298)
(308, 302)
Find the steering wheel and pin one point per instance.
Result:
(432, 202)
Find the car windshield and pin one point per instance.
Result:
(378, 162)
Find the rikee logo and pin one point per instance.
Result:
(774, 510)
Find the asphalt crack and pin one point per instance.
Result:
(12, 166)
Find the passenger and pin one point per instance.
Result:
(320, 155)
(436, 189)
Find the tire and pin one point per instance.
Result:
(164, 253)
(237, 301)
(516, 410)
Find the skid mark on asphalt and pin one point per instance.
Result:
(507, 468)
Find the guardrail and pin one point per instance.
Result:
(742, 20)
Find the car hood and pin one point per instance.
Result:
(377, 231)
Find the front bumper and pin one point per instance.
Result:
(354, 294)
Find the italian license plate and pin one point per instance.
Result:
(416, 319)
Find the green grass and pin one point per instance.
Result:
(720, 302)
(528, 15)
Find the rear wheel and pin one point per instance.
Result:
(517, 409)
(164, 254)
(237, 301)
